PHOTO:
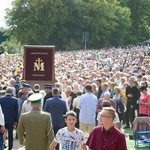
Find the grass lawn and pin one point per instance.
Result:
(131, 143)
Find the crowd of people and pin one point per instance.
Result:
(106, 88)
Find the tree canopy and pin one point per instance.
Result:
(63, 22)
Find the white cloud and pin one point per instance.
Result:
(5, 4)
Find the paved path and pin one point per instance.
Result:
(16, 146)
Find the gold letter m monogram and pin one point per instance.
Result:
(39, 65)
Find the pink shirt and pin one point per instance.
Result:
(144, 109)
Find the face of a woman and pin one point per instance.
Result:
(76, 87)
(144, 84)
(93, 87)
(144, 92)
(107, 96)
(117, 91)
(122, 81)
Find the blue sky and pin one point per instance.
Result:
(4, 4)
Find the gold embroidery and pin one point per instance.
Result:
(39, 65)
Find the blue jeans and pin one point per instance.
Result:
(1, 141)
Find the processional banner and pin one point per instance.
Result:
(39, 63)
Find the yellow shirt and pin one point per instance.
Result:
(123, 92)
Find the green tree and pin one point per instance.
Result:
(11, 46)
(68, 30)
(3, 37)
(109, 23)
(121, 33)
(140, 14)
(62, 22)
(33, 21)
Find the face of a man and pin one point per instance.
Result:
(48, 90)
(131, 81)
(25, 90)
(105, 117)
(107, 97)
(70, 121)
(98, 83)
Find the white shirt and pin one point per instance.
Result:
(26, 106)
(14, 91)
(76, 102)
(2, 121)
(70, 140)
(64, 98)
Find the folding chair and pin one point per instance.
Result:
(141, 126)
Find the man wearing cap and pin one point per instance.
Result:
(9, 106)
(48, 90)
(37, 126)
(25, 88)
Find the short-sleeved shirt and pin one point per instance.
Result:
(70, 140)
(144, 109)
(26, 106)
(100, 139)
(76, 102)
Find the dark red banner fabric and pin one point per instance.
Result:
(39, 63)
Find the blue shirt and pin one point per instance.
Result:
(87, 106)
